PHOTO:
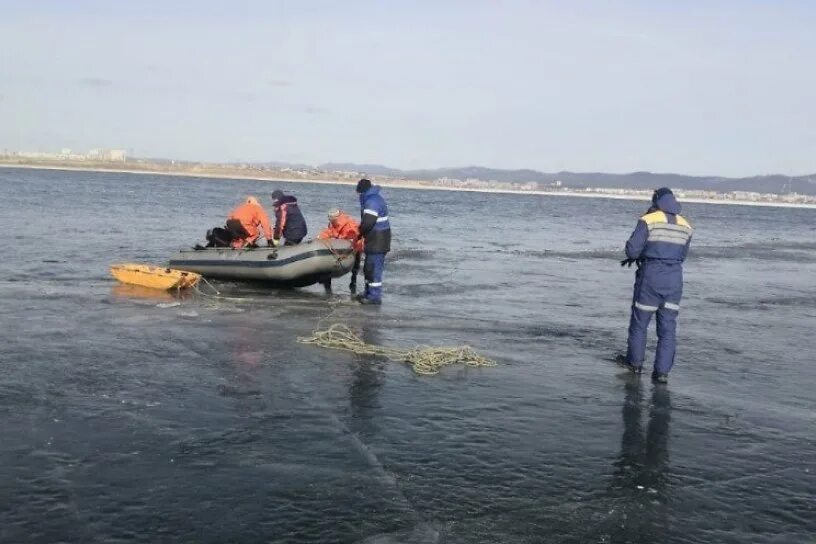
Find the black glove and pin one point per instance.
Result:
(628, 262)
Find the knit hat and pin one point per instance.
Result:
(277, 194)
(333, 213)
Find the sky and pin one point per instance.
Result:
(695, 87)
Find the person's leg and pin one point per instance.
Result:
(239, 235)
(644, 304)
(638, 327)
(236, 229)
(326, 282)
(368, 273)
(666, 337)
(219, 237)
(375, 285)
(355, 269)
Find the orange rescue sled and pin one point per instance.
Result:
(153, 276)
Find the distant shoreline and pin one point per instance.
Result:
(399, 185)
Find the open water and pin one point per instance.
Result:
(134, 417)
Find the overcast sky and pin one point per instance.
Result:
(708, 87)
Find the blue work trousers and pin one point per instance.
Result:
(658, 290)
(373, 273)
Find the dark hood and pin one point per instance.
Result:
(667, 203)
(288, 199)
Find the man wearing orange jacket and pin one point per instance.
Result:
(243, 223)
(343, 227)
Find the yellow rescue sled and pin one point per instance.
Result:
(153, 276)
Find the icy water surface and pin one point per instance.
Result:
(133, 417)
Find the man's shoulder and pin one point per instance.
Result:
(653, 217)
(683, 221)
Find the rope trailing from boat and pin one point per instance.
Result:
(424, 360)
(215, 297)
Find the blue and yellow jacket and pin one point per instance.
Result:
(374, 224)
(662, 234)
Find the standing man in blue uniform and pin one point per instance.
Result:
(376, 230)
(659, 245)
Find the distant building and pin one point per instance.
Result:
(116, 155)
(109, 155)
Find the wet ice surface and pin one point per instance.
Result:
(132, 417)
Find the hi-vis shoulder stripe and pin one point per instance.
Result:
(660, 217)
(669, 237)
(382, 219)
(669, 227)
(371, 212)
(666, 232)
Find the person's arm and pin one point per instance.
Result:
(686, 249)
(280, 221)
(637, 241)
(326, 233)
(368, 221)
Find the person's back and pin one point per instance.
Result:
(347, 228)
(662, 234)
(660, 244)
(251, 216)
(341, 226)
(289, 221)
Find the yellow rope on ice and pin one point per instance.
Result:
(423, 359)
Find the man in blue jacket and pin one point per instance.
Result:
(659, 245)
(376, 230)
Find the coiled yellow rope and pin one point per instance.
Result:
(423, 359)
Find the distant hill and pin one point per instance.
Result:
(805, 185)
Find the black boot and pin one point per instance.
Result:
(621, 360)
(327, 286)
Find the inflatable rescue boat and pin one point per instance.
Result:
(297, 266)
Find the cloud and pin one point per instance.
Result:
(95, 82)
(279, 83)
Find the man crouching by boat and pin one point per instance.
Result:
(289, 221)
(242, 227)
(343, 227)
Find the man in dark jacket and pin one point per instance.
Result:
(375, 228)
(659, 245)
(289, 222)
